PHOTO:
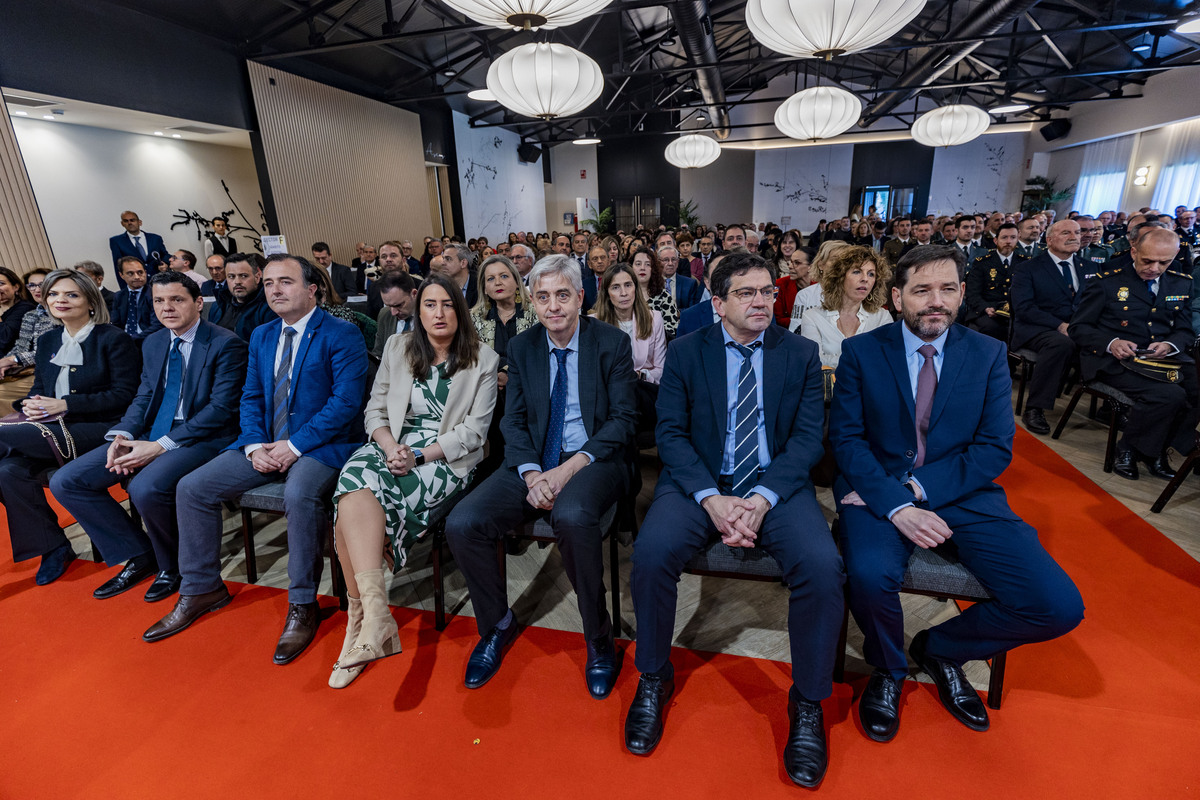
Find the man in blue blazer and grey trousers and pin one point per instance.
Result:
(922, 426)
(184, 413)
(301, 418)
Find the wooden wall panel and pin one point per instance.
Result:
(24, 244)
(342, 168)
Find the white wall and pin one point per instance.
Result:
(1065, 167)
(803, 183)
(83, 178)
(567, 161)
(1148, 151)
(499, 193)
(986, 174)
(724, 190)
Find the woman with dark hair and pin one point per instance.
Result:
(853, 293)
(621, 302)
(16, 363)
(85, 377)
(14, 305)
(794, 272)
(862, 233)
(427, 420)
(649, 274)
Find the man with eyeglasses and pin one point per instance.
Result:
(567, 426)
(414, 266)
(522, 258)
(739, 471)
(1092, 251)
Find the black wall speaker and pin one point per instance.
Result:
(1055, 129)
(529, 153)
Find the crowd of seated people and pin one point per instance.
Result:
(521, 373)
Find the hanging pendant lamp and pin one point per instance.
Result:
(950, 125)
(827, 28)
(527, 14)
(693, 151)
(545, 80)
(818, 113)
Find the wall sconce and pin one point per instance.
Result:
(1141, 176)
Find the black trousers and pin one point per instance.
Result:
(995, 327)
(1055, 351)
(498, 505)
(1163, 414)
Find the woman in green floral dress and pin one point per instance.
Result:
(427, 420)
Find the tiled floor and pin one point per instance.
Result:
(715, 614)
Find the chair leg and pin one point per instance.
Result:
(337, 579)
(1110, 447)
(839, 662)
(1174, 484)
(439, 586)
(1023, 373)
(1066, 415)
(996, 683)
(248, 543)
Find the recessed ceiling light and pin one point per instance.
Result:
(701, 118)
(1012, 108)
(21, 113)
(449, 73)
(1189, 26)
(48, 116)
(482, 94)
(158, 133)
(586, 140)
(1141, 48)
(176, 136)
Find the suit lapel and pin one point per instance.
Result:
(302, 348)
(714, 368)
(589, 368)
(160, 370)
(196, 360)
(897, 359)
(953, 358)
(775, 366)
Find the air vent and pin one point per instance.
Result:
(200, 129)
(27, 102)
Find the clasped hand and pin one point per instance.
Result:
(273, 457)
(737, 519)
(545, 487)
(923, 528)
(126, 457)
(400, 459)
(39, 407)
(1122, 349)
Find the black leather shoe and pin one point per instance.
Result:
(603, 666)
(135, 571)
(298, 631)
(188, 608)
(165, 584)
(54, 564)
(485, 659)
(1125, 465)
(806, 755)
(1035, 421)
(1160, 467)
(879, 707)
(954, 691)
(644, 723)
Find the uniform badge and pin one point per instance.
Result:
(992, 274)
(1124, 323)
(1123, 293)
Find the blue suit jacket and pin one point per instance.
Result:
(145, 311)
(692, 415)
(1040, 298)
(700, 315)
(325, 405)
(212, 387)
(872, 428)
(687, 291)
(121, 247)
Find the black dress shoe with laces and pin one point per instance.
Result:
(54, 564)
(879, 707)
(955, 692)
(134, 572)
(1160, 467)
(485, 659)
(603, 666)
(1125, 465)
(299, 629)
(1035, 421)
(644, 723)
(806, 755)
(165, 584)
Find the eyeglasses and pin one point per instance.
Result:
(37, 285)
(746, 295)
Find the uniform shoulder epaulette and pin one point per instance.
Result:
(981, 258)
(1106, 274)
(1178, 274)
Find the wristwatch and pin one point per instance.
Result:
(418, 456)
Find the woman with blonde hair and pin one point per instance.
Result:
(810, 296)
(854, 290)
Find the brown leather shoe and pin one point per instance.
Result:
(188, 608)
(298, 631)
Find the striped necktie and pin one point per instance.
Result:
(283, 385)
(745, 448)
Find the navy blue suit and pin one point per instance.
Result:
(693, 319)
(325, 405)
(968, 445)
(156, 251)
(211, 391)
(1040, 302)
(691, 435)
(145, 312)
(687, 292)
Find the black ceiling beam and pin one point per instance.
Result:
(308, 14)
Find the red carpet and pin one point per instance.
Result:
(91, 711)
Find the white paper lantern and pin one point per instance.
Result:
(827, 28)
(818, 113)
(545, 80)
(950, 125)
(693, 151)
(527, 14)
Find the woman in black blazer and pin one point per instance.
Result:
(87, 371)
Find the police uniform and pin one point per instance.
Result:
(1094, 255)
(1191, 238)
(1120, 245)
(1117, 304)
(988, 282)
(1029, 251)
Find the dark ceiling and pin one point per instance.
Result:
(1050, 54)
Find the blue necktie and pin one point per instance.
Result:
(131, 316)
(165, 417)
(552, 449)
(1150, 288)
(1065, 267)
(283, 384)
(745, 447)
(137, 242)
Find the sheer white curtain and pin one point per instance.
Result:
(1102, 177)
(1179, 183)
